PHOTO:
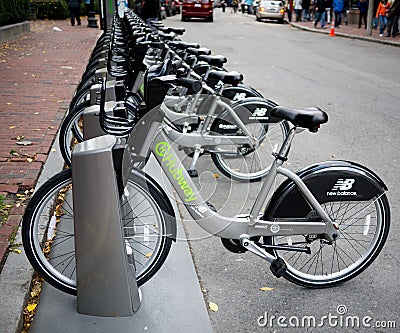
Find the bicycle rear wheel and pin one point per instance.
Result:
(363, 226)
(48, 230)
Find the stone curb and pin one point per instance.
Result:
(340, 34)
(11, 31)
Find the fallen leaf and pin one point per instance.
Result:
(24, 143)
(213, 307)
(148, 255)
(216, 175)
(11, 127)
(30, 160)
(18, 251)
(266, 288)
(36, 113)
(8, 103)
(53, 149)
(31, 307)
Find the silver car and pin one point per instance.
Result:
(271, 10)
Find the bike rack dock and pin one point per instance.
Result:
(171, 301)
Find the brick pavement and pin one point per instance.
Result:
(38, 76)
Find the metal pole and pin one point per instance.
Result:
(370, 16)
(92, 21)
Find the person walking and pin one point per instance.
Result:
(381, 13)
(74, 7)
(289, 9)
(305, 5)
(328, 9)
(319, 13)
(345, 12)
(150, 9)
(249, 4)
(363, 8)
(298, 9)
(338, 6)
(243, 6)
(393, 19)
(235, 4)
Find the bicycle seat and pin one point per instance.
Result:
(309, 118)
(217, 60)
(198, 52)
(233, 78)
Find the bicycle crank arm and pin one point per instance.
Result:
(278, 265)
(253, 247)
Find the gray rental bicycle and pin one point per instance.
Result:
(322, 226)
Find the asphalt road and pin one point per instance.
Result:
(357, 84)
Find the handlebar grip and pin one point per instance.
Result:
(193, 85)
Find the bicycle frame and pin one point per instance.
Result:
(201, 137)
(227, 227)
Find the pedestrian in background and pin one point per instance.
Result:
(393, 19)
(289, 9)
(243, 6)
(345, 13)
(328, 9)
(338, 6)
(298, 9)
(74, 7)
(150, 9)
(138, 8)
(319, 13)
(305, 5)
(235, 4)
(363, 8)
(249, 3)
(383, 9)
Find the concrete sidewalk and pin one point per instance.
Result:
(349, 31)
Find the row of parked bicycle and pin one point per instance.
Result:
(160, 95)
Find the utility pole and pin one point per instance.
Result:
(369, 17)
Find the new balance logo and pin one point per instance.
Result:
(342, 187)
(259, 113)
(343, 184)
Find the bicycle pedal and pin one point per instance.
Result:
(193, 173)
(278, 267)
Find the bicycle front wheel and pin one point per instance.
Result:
(363, 227)
(48, 230)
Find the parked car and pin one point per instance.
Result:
(271, 10)
(197, 8)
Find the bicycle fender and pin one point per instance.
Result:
(255, 110)
(171, 221)
(328, 181)
(239, 92)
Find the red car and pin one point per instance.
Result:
(197, 8)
